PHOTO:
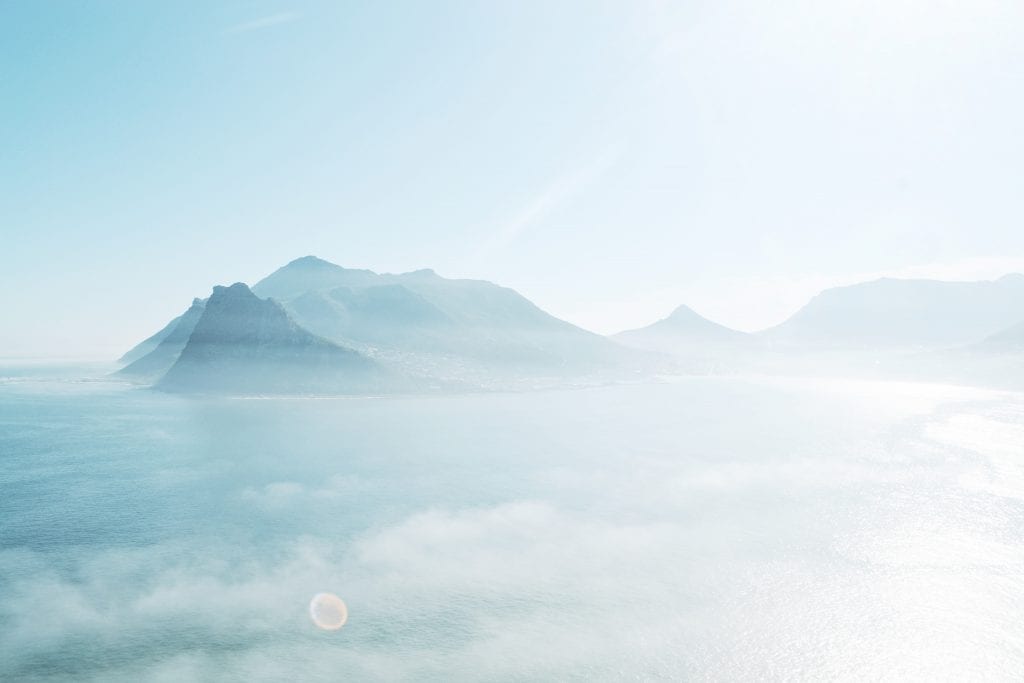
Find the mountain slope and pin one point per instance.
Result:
(422, 320)
(244, 344)
(149, 343)
(905, 313)
(1010, 339)
(161, 358)
(683, 328)
(380, 314)
(310, 274)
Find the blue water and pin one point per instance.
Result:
(703, 528)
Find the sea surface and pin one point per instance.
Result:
(727, 529)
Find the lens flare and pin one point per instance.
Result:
(328, 611)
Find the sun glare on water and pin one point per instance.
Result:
(328, 611)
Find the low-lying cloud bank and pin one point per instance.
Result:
(881, 550)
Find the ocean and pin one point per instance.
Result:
(701, 528)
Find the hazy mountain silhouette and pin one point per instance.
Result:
(681, 330)
(155, 363)
(453, 328)
(1010, 339)
(148, 344)
(310, 273)
(379, 314)
(244, 344)
(890, 313)
(328, 329)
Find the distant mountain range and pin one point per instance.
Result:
(467, 329)
(313, 327)
(294, 328)
(892, 313)
(882, 314)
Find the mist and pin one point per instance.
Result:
(595, 533)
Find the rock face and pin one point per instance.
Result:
(244, 344)
(890, 313)
(681, 330)
(155, 363)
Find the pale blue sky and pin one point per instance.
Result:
(609, 160)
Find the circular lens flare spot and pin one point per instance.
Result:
(328, 611)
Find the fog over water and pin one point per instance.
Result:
(704, 528)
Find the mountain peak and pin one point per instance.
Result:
(682, 326)
(242, 343)
(421, 273)
(310, 273)
(310, 261)
(238, 289)
(682, 312)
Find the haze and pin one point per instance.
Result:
(494, 341)
(607, 161)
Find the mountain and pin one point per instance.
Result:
(432, 330)
(465, 329)
(149, 343)
(1011, 339)
(310, 274)
(244, 344)
(892, 313)
(162, 357)
(380, 314)
(682, 329)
